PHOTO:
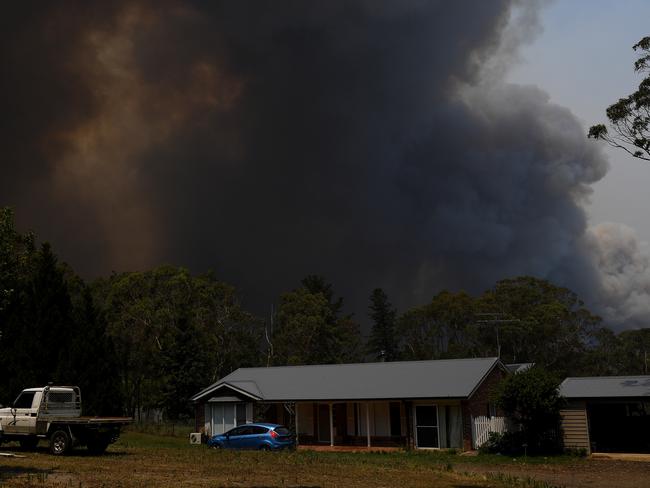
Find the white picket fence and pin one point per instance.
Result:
(482, 426)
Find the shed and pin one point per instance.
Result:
(607, 413)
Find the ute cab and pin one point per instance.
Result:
(35, 405)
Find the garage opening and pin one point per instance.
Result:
(619, 426)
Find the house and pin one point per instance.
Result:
(421, 404)
(607, 413)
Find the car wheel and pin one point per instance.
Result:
(216, 446)
(265, 447)
(59, 443)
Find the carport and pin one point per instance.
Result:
(607, 414)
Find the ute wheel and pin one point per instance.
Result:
(29, 444)
(59, 443)
(98, 445)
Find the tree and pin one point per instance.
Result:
(383, 342)
(43, 320)
(629, 118)
(444, 328)
(174, 333)
(15, 249)
(604, 356)
(89, 360)
(315, 284)
(539, 322)
(310, 330)
(635, 351)
(532, 400)
(51, 328)
(17, 253)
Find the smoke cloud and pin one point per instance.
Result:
(373, 142)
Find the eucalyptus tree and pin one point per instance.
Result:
(629, 118)
(310, 327)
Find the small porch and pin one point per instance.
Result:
(372, 424)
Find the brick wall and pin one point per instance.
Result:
(477, 404)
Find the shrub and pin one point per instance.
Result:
(508, 444)
(532, 401)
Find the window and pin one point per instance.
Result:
(238, 431)
(245, 430)
(60, 397)
(257, 430)
(226, 416)
(282, 431)
(25, 400)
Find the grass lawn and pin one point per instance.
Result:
(138, 460)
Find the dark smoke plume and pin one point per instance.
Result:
(370, 141)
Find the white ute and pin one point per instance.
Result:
(54, 413)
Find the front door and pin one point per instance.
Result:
(426, 426)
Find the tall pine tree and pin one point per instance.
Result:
(383, 342)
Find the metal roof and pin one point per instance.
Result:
(606, 387)
(449, 378)
(519, 367)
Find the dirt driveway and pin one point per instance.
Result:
(595, 472)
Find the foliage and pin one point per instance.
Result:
(522, 319)
(15, 248)
(612, 355)
(174, 333)
(509, 443)
(444, 328)
(629, 118)
(89, 361)
(635, 351)
(146, 341)
(539, 322)
(532, 400)
(51, 329)
(383, 342)
(310, 329)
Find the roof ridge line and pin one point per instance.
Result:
(367, 364)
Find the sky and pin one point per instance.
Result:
(402, 145)
(584, 60)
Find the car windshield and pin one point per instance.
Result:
(282, 431)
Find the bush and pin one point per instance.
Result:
(508, 444)
(532, 401)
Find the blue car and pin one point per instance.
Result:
(264, 437)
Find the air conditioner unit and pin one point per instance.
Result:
(195, 438)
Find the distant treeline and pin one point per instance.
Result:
(147, 341)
